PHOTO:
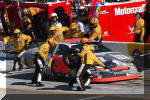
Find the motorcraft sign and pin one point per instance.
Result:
(125, 10)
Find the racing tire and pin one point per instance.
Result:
(139, 63)
(71, 59)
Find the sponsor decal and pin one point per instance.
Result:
(106, 33)
(125, 10)
(131, 30)
(104, 12)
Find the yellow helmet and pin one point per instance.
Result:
(16, 31)
(52, 28)
(94, 21)
(83, 40)
(51, 41)
(74, 25)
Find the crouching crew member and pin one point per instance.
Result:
(74, 32)
(39, 60)
(139, 28)
(87, 59)
(20, 43)
(95, 29)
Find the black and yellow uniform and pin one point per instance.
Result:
(74, 32)
(27, 22)
(95, 29)
(139, 30)
(57, 33)
(87, 59)
(40, 58)
(20, 42)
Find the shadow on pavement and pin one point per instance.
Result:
(59, 87)
(26, 76)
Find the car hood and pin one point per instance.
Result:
(117, 56)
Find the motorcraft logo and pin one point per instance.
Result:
(125, 10)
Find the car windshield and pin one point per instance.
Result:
(99, 47)
(62, 49)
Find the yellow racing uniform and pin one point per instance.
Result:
(28, 21)
(58, 36)
(18, 43)
(96, 33)
(87, 59)
(139, 30)
(95, 29)
(43, 51)
(40, 59)
(74, 32)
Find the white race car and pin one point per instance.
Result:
(66, 62)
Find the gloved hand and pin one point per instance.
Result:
(44, 67)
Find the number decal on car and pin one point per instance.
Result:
(59, 65)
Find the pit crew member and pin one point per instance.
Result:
(82, 15)
(74, 32)
(54, 20)
(139, 28)
(57, 33)
(95, 29)
(21, 43)
(40, 59)
(87, 59)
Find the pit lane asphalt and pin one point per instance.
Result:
(19, 82)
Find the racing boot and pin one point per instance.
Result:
(39, 84)
(33, 81)
(80, 89)
(14, 68)
(20, 65)
(70, 85)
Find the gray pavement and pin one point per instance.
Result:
(19, 82)
(22, 79)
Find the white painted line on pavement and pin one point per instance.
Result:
(91, 98)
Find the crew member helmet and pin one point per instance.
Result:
(53, 15)
(84, 40)
(17, 31)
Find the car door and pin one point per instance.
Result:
(58, 64)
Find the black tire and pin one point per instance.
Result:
(139, 63)
(71, 59)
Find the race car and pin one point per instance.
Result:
(66, 62)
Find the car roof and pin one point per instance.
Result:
(74, 40)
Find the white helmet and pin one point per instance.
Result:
(53, 15)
